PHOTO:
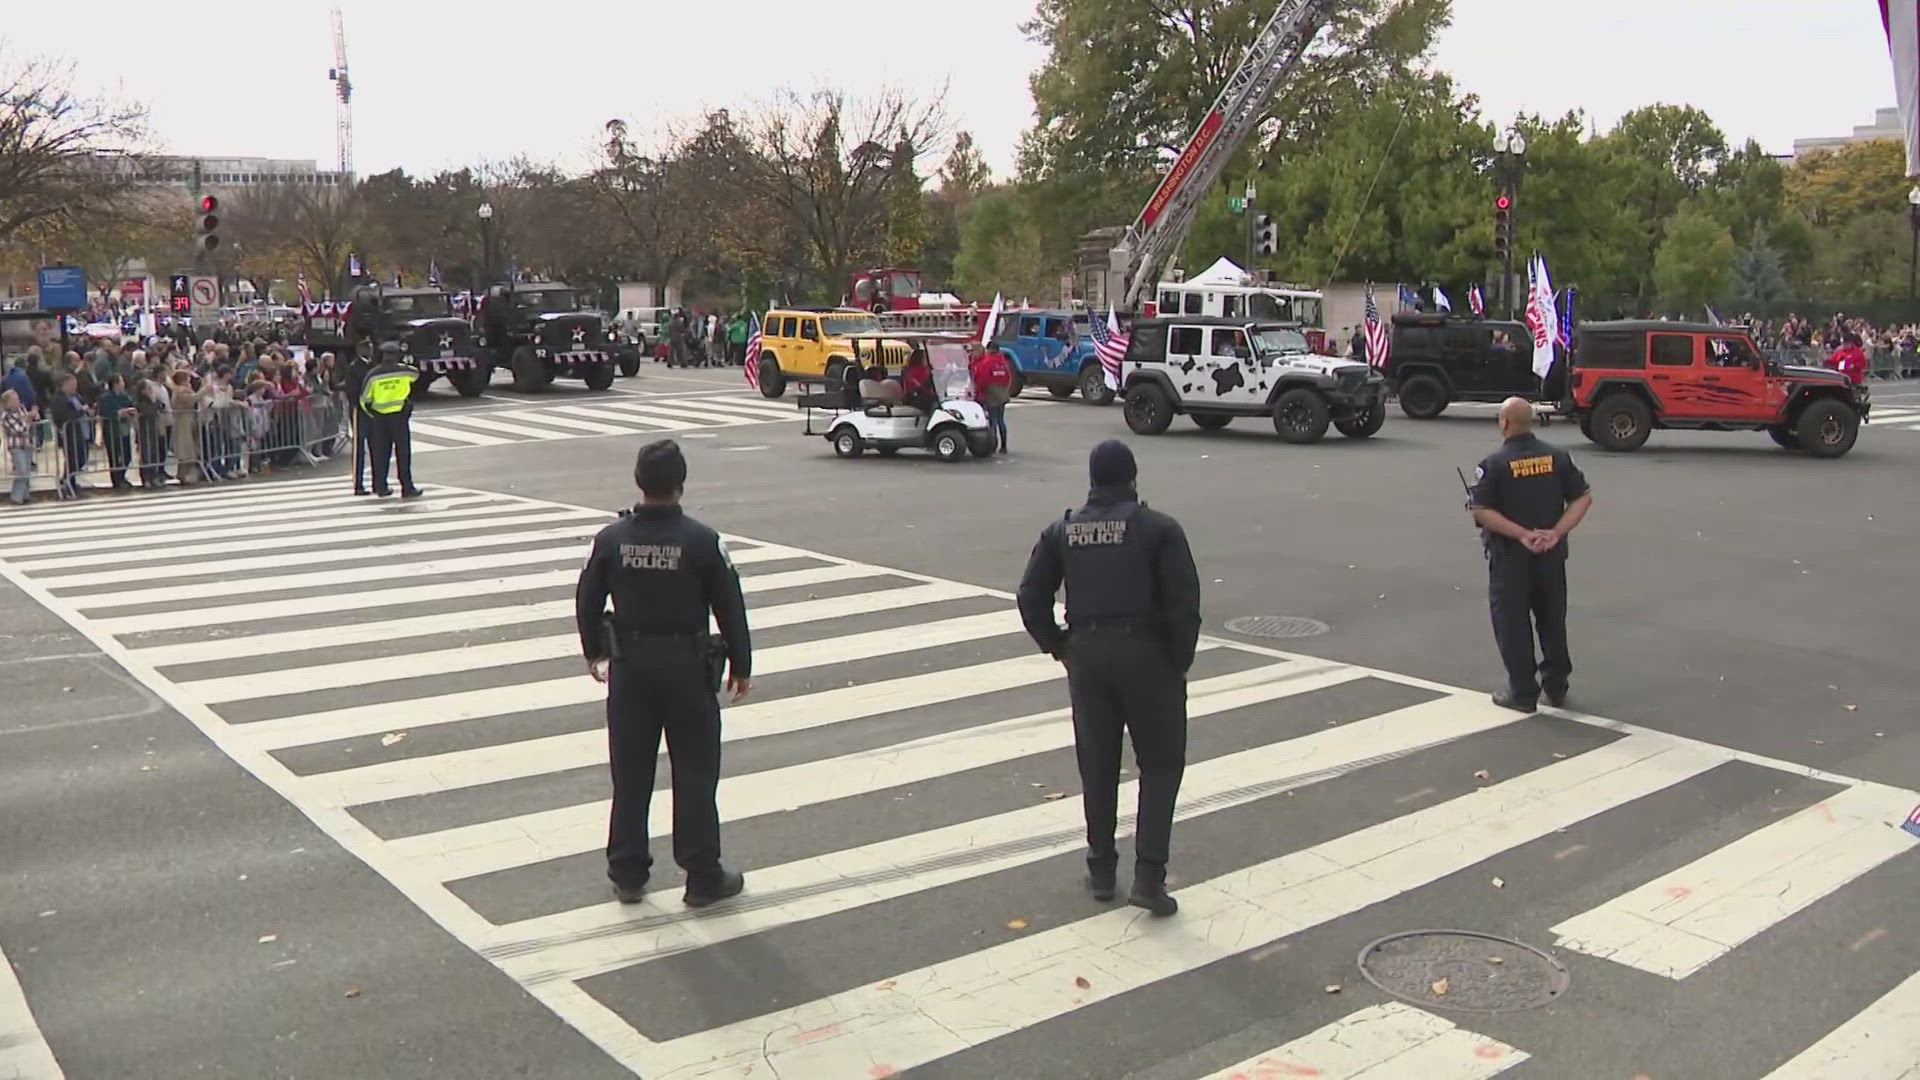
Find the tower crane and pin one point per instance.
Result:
(343, 90)
(1154, 236)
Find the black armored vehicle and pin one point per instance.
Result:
(540, 331)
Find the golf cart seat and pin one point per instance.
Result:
(884, 399)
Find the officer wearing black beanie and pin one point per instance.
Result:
(1133, 622)
(664, 572)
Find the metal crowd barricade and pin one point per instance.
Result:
(208, 444)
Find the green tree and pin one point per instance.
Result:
(1694, 265)
(1759, 277)
(1002, 249)
(1661, 157)
(965, 171)
(1831, 187)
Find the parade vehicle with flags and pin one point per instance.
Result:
(1629, 377)
(1053, 349)
(1226, 291)
(1217, 369)
(541, 331)
(1437, 358)
(860, 414)
(423, 322)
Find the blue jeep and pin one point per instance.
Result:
(1052, 349)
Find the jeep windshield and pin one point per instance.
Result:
(419, 307)
(1274, 341)
(842, 325)
(541, 300)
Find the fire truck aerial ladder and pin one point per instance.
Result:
(1136, 260)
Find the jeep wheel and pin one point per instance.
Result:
(1784, 435)
(599, 376)
(1094, 389)
(527, 376)
(846, 442)
(1827, 428)
(1147, 409)
(950, 445)
(1018, 384)
(1620, 422)
(473, 381)
(1365, 424)
(630, 363)
(1585, 420)
(1422, 398)
(772, 383)
(1300, 416)
(1062, 393)
(1211, 421)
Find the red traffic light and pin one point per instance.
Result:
(208, 204)
(1502, 202)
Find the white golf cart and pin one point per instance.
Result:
(861, 413)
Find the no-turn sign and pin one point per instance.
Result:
(205, 292)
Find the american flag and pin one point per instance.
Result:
(1913, 822)
(1376, 333)
(1477, 300)
(752, 364)
(1565, 334)
(300, 283)
(1109, 344)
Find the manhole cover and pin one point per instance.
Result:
(1464, 970)
(1276, 626)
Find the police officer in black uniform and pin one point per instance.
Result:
(354, 380)
(665, 572)
(1526, 497)
(1133, 622)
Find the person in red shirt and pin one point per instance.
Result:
(1851, 360)
(916, 383)
(993, 385)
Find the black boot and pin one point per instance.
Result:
(1506, 700)
(1100, 878)
(630, 894)
(1150, 890)
(728, 884)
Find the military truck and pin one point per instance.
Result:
(421, 321)
(541, 331)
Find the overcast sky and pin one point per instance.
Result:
(439, 85)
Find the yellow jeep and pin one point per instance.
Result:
(810, 345)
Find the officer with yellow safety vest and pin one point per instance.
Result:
(386, 407)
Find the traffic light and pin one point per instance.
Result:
(1266, 239)
(209, 222)
(1502, 225)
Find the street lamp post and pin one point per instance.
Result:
(1509, 159)
(1913, 257)
(486, 243)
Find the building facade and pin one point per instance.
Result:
(1886, 125)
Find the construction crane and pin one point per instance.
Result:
(343, 90)
(1136, 260)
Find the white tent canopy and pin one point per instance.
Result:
(1223, 272)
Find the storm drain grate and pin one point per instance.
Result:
(1277, 626)
(1464, 970)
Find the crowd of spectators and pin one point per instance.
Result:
(165, 412)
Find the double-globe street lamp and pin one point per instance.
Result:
(1509, 160)
(486, 243)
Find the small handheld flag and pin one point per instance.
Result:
(752, 361)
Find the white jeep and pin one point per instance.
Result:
(1216, 369)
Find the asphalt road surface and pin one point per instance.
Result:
(301, 785)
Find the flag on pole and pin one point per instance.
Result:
(1376, 333)
(1109, 344)
(1477, 301)
(752, 364)
(993, 319)
(1912, 823)
(1409, 298)
(1541, 320)
(1901, 19)
(1441, 300)
(433, 272)
(1566, 317)
(1713, 317)
(300, 283)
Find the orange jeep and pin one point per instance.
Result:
(1632, 376)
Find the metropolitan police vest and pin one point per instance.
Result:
(386, 392)
(1107, 563)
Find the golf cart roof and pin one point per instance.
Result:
(914, 336)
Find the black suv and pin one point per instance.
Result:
(1438, 359)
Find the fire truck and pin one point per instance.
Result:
(890, 288)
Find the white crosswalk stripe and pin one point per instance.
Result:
(648, 414)
(407, 675)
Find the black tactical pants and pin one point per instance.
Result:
(1122, 678)
(1527, 594)
(390, 440)
(360, 463)
(660, 685)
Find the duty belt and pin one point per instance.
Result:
(1118, 623)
